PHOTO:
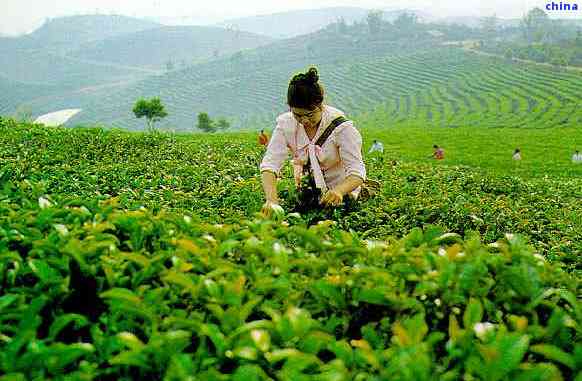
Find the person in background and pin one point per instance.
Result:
(439, 153)
(517, 154)
(577, 157)
(325, 146)
(377, 147)
(263, 139)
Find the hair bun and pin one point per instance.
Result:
(312, 76)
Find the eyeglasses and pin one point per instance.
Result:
(308, 115)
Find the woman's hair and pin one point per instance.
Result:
(305, 91)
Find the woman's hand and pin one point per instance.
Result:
(270, 207)
(332, 198)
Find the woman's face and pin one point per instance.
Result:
(307, 117)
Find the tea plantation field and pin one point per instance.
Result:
(435, 86)
(131, 256)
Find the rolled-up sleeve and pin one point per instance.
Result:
(276, 154)
(349, 141)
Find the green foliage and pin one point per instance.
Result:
(115, 264)
(205, 123)
(258, 300)
(564, 54)
(152, 109)
(222, 124)
(536, 25)
(406, 21)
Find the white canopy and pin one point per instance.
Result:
(57, 118)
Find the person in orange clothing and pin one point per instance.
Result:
(263, 139)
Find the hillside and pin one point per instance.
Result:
(438, 87)
(180, 45)
(39, 58)
(407, 75)
(63, 34)
(13, 94)
(110, 51)
(66, 33)
(249, 94)
(62, 72)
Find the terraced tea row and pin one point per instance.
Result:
(440, 87)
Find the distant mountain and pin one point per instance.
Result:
(475, 22)
(63, 34)
(176, 46)
(295, 23)
(72, 31)
(36, 64)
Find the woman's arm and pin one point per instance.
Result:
(349, 142)
(276, 152)
(350, 150)
(335, 196)
(270, 167)
(349, 184)
(270, 186)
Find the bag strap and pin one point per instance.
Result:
(332, 126)
(326, 134)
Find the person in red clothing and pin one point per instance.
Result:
(263, 139)
(438, 153)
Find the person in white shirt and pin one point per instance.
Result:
(517, 154)
(335, 169)
(577, 157)
(377, 147)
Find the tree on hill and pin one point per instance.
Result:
(406, 21)
(205, 123)
(341, 25)
(536, 25)
(374, 20)
(170, 65)
(508, 54)
(222, 124)
(152, 109)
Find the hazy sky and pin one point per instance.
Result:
(20, 16)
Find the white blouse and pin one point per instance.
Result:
(339, 157)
